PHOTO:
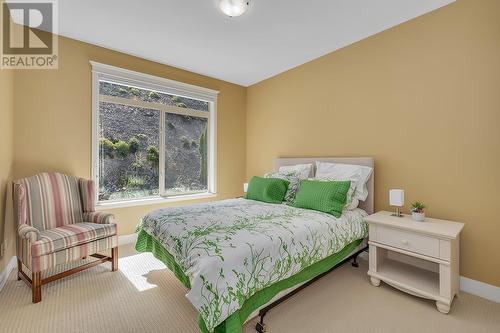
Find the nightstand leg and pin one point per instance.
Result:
(442, 307)
(376, 258)
(375, 281)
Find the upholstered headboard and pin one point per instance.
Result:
(368, 204)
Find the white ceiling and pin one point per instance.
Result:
(271, 37)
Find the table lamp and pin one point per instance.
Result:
(397, 198)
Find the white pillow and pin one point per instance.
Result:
(358, 173)
(304, 170)
(352, 205)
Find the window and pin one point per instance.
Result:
(154, 138)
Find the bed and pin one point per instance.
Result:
(237, 257)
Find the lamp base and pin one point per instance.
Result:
(397, 213)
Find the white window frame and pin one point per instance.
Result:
(103, 72)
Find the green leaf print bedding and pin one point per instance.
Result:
(231, 249)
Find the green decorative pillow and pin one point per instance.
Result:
(325, 196)
(351, 202)
(293, 177)
(270, 190)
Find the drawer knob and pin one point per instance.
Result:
(404, 242)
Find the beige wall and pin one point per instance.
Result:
(423, 99)
(52, 122)
(7, 234)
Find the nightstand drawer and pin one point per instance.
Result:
(401, 239)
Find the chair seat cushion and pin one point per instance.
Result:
(67, 236)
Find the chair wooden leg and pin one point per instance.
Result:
(36, 286)
(114, 258)
(19, 269)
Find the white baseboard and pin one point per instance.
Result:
(480, 289)
(4, 275)
(127, 239)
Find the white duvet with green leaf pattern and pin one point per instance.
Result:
(233, 248)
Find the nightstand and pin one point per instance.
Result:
(420, 258)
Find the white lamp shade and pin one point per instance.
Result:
(245, 187)
(397, 197)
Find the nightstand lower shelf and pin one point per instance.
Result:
(413, 280)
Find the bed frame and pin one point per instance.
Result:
(367, 205)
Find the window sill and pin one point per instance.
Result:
(153, 201)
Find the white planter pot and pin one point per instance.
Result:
(420, 217)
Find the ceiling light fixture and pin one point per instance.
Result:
(233, 8)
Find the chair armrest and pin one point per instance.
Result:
(28, 232)
(98, 217)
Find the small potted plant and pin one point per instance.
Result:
(417, 211)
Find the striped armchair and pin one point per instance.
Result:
(57, 224)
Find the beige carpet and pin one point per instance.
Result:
(143, 296)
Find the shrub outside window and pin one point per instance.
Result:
(153, 138)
